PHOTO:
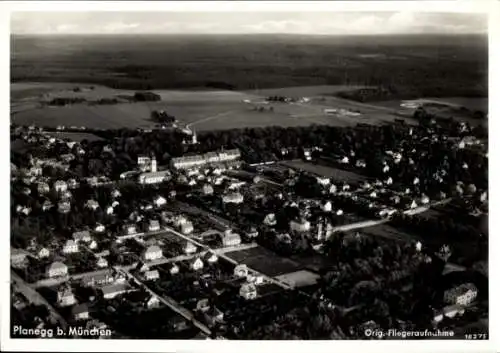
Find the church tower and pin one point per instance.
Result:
(153, 164)
(194, 140)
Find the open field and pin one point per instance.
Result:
(202, 109)
(265, 261)
(300, 278)
(338, 175)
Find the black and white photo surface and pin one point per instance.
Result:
(248, 175)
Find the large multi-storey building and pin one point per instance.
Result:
(187, 162)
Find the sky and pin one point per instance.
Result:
(324, 23)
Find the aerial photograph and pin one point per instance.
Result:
(252, 176)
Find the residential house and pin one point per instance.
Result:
(64, 207)
(60, 186)
(82, 236)
(70, 247)
(42, 253)
(154, 225)
(92, 204)
(233, 197)
(189, 248)
(152, 275)
(65, 296)
(80, 312)
(99, 228)
(152, 302)
(174, 269)
(129, 229)
(57, 269)
(187, 227)
(230, 239)
(197, 264)
(102, 279)
(43, 188)
(241, 271)
(211, 258)
(248, 291)
(101, 262)
(461, 295)
(160, 201)
(152, 253)
(270, 220)
(93, 245)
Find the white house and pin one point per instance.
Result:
(82, 236)
(152, 253)
(60, 186)
(70, 247)
(323, 181)
(207, 189)
(230, 239)
(187, 227)
(248, 291)
(102, 262)
(461, 295)
(174, 269)
(152, 302)
(154, 225)
(241, 271)
(152, 275)
(43, 253)
(234, 197)
(270, 220)
(92, 204)
(57, 269)
(130, 229)
(65, 297)
(189, 248)
(160, 201)
(327, 206)
(197, 264)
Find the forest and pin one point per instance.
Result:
(409, 66)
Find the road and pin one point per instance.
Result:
(171, 303)
(213, 117)
(36, 298)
